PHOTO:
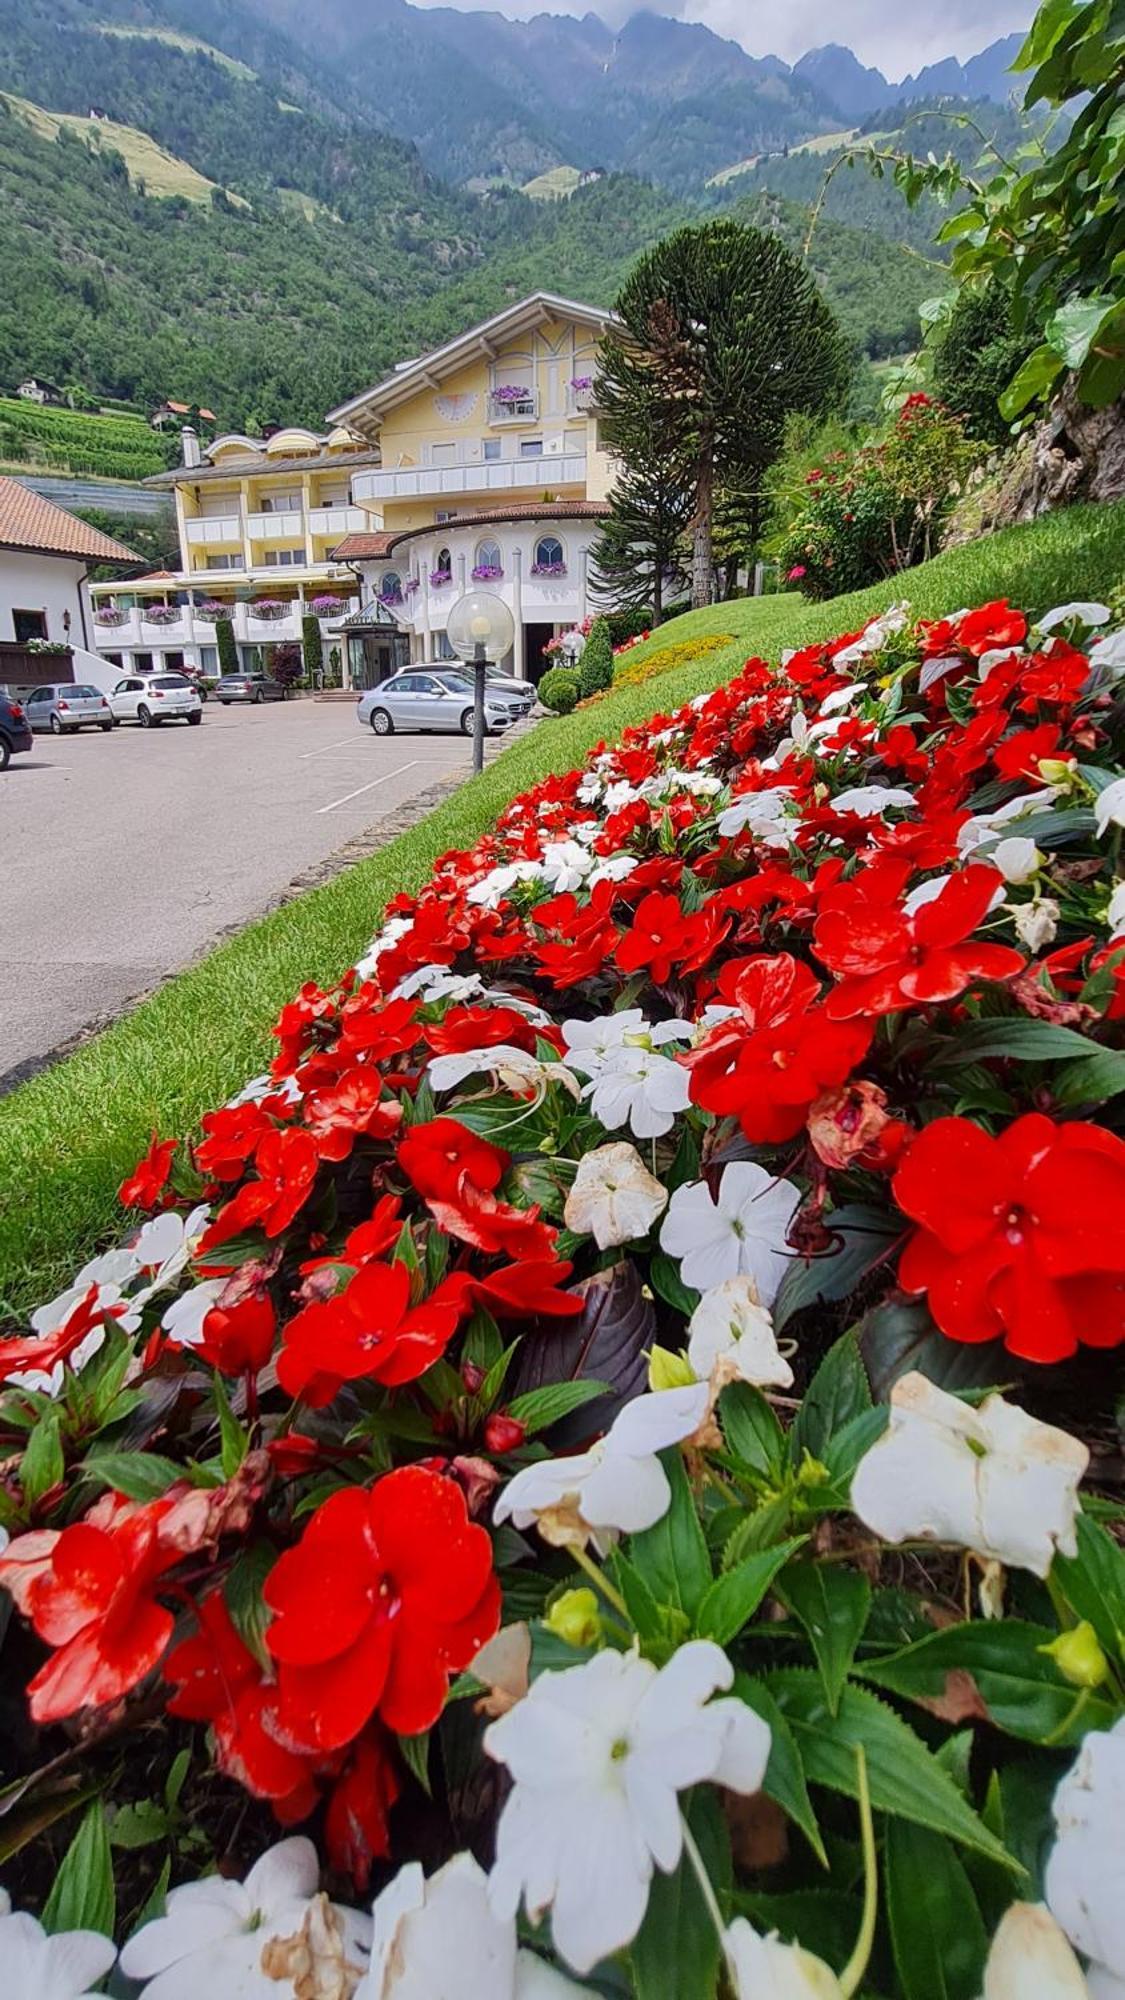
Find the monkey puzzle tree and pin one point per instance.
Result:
(720, 332)
(641, 545)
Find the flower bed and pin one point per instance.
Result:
(631, 673)
(777, 1051)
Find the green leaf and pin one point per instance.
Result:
(838, 1392)
(174, 1782)
(1031, 382)
(784, 1781)
(905, 1780)
(1099, 1077)
(1019, 1685)
(540, 1408)
(1015, 1040)
(639, 1600)
(823, 1921)
(1074, 329)
(832, 1604)
(733, 1598)
(899, 1336)
(249, 1612)
(1093, 1583)
(862, 1235)
(482, 1345)
(82, 1897)
(664, 1277)
(751, 1428)
(140, 1475)
(676, 1950)
(234, 1441)
(416, 1756)
(156, 1902)
(43, 1464)
(937, 1932)
(671, 1556)
(140, 1824)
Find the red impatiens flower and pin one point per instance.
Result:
(884, 959)
(40, 1352)
(388, 1592)
(287, 1165)
(217, 1679)
(473, 1215)
(1020, 756)
(353, 1107)
(356, 1832)
(230, 1136)
(769, 1065)
(465, 1028)
(238, 1338)
(1020, 1236)
(990, 627)
(149, 1178)
(369, 1331)
(435, 1155)
(87, 1590)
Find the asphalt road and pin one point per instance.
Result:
(121, 856)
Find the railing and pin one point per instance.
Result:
(215, 528)
(287, 525)
(23, 666)
(337, 520)
(579, 402)
(506, 475)
(513, 409)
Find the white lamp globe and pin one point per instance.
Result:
(481, 619)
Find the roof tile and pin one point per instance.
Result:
(28, 521)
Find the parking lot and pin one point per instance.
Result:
(122, 856)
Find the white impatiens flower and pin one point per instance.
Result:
(1079, 613)
(430, 983)
(1109, 807)
(183, 1320)
(762, 1968)
(614, 868)
(514, 1068)
(1030, 1959)
(613, 1197)
(732, 1331)
(617, 1487)
(1085, 1879)
(439, 1940)
(992, 1479)
(1016, 857)
(742, 1234)
(598, 1755)
(34, 1966)
(590, 1045)
(1036, 924)
(872, 801)
(210, 1942)
(1109, 652)
(1115, 915)
(565, 865)
(983, 827)
(764, 814)
(640, 1088)
(493, 887)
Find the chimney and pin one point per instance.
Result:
(190, 442)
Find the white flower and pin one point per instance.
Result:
(764, 813)
(34, 1966)
(1017, 858)
(1036, 924)
(1085, 1878)
(439, 1940)
(566, 865)
(165, 1247)
(987, 826)
(598, 1755)
(183, 1320)
(871, 801)
(614, 868)
(210, 1941)
(590, 1045)
(490, 890)
(510, 1066)
(1030, 1959)
(393, 931)
(1109, 807)
(1085, 614)
(742, 1234)
(617, 1487)
(613, 1197)
(731, 1330)
(1109, 652)
(640, 1088)
(992, 1479)
(765, 1969)
(436, 982)
(1115, 915)
(841, 698)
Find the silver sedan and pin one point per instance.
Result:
(422, 700)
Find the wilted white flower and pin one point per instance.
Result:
(1079, 613)
(613, 1197)
(38, 1967)
(1109, 652)
(742, 1234)
(1109, 807)
(1085, 1878)
(439, 1940)
(992, 1479)
(510, 1066)
(763, 1968)
(765, 814)
(598, 1755)
(1036, 924)
(732, 1330)
(1030, 1959)
(640, 1088)
(617, 1487)
(872, 801)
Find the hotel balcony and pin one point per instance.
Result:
(338, 521)
(288, 525)
(522, 409)
(135, 631)
(215, 529)
(483, 483)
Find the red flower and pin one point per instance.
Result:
(388, 1592)
(884, 959)
(355, 1824)
(770, 1066)
(527, 1290)
(149, 1178)
(218, 1680)
(664, 940)
(87, 1591)
(231, 1135)
(352, 1107)
(991, 626)
(1020, 1236)
(1019, 756)
(287, 1164)
(41, 1351)
(435, 1155)
(238, 1339)
(465, 1028)
(369, 1331)
(475, 1216)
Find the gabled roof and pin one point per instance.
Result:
(364, 411)
(362, 548)
(184, 410)
(36, 525)
(520, 510)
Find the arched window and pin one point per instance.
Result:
(444, 562)
(549, 558)
(487, 564)
(390, 590)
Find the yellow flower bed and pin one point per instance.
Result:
(630, 673)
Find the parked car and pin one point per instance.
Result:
(15, 733)
(249, 687)
(498, 683)
(429, 698)
(155, 698)
(66, 707)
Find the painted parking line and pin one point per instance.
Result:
(341, 744)
(375, 782)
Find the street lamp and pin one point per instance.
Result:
(480, 628)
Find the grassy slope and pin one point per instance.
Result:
(67, 1138)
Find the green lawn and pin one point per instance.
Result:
(68, 1137)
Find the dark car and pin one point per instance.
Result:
(249, 687)
(15, 733)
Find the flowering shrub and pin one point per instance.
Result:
(525, 1421)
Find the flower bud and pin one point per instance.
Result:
(669, 1371)
(574, 1618)
(1078, 1656)
(503, 1434)
(1030, 1956)
(471, 1376)
(1057, 771)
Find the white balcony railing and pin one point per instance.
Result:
(513, 409)
(215, 528)
(337, 520)
(480, 482)
(138, 632)
(579, 402)
(287, 525)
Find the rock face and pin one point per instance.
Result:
(1073, 453)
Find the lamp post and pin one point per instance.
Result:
(480, 628)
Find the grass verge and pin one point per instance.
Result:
(68, 1137)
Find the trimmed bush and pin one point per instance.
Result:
(227, 645)
(558, 689)
(595, 668)
(312, 645)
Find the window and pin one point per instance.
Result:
(284, 558)
(169, 681)
(281, 503)
(223, 562)
(487, 563)
(208, 659)
(492, 449)
(531, 447)
(390, 590)
(29, 625)
(114, 660)
(175, 660)
(549, 554)
(41, 694)
(142, 662)
(442, 648)
(445, 514)
(443, 562)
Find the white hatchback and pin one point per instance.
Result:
(155, 698)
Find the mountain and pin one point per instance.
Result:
(855, 92)
(841, 78)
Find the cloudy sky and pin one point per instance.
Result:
(896, 36)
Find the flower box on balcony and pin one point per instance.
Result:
(548, 569)
(110, 614)
(212, 610)
(390, 598)
(487, 573)
(270, 608)
(327, 607)
(161, 614)
(439, 578)
(412, 584)
(511, 392)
